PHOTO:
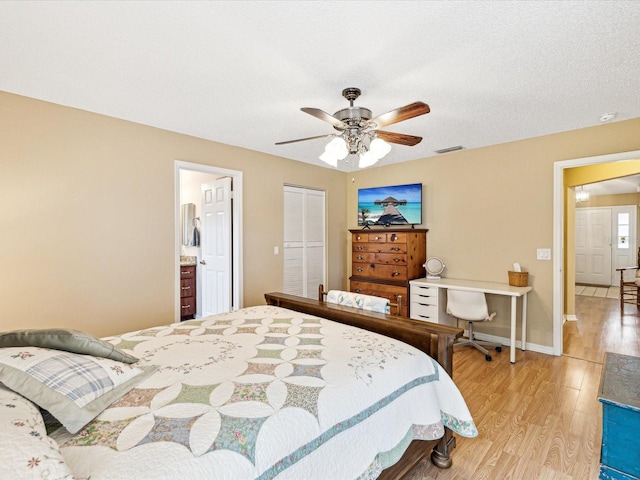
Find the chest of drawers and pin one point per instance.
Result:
(384, 261)
(187, 292)
(424, 303)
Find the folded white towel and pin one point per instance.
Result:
(358, 300)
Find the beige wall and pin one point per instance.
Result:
(489, 207)
(87, 217)
(87, 214)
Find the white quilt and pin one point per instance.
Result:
(266, 392)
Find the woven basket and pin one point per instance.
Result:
(518, 279)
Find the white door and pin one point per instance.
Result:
(593, 246)
(216, 247)
(304, 241)
(624, 241)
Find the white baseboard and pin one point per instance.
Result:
(534, 347)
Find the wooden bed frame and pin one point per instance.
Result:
(433, 339)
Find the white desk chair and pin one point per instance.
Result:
(471, 307)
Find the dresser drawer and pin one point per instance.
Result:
(425, 295)
(187, 306)
(380, 258)
(391, 258)
(383, 237)
(427, 313)
(188, 272)
(392, 248)
(388, 272)
(424, 299)
(186, 287)
(379, 271)
(379, 237)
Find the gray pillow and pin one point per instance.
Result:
(67, 340)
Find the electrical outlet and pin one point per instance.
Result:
(544, 254)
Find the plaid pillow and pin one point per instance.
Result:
(74, 388)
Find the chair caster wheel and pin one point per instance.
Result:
(487, 358)
(498, 349)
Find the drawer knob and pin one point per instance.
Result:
(357, 290)
(395, 249)
(186, 288)
(358, 237)
(378, 238)
(360, 269)
(360, 257)
(394, 237)
(359, 247)
(395, 273)
(397, 260)
(186, 306)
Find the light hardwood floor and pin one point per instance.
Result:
(539, 418)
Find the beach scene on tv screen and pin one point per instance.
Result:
(393, 205)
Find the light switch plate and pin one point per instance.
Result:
(544, 254)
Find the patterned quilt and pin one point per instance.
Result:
(266, 392)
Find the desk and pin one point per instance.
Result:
(427, 305)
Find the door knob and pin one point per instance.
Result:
(202, 262)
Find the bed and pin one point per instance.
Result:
(295, 389)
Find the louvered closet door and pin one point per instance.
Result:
(304, 241)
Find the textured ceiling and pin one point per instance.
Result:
(239, 72)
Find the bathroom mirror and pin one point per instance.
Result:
(187, 214)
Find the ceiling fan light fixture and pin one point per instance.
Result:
(367, 159)
(359, 134)
(338, 148)
(329, 159)
(379, 148)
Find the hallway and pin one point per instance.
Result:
(602, 292)
(600, 328)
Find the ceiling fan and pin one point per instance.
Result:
(358, 131)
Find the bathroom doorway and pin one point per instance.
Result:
(190, 179)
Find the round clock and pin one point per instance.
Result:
(434, 267)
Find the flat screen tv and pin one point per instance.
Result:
(393, 205)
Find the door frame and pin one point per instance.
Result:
(236, 227)
(559, 233)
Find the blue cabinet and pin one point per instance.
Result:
(620, 397)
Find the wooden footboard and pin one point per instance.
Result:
(433, 339)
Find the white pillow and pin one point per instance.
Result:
(26, 452)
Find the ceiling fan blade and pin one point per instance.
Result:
(325, 117)
(399, 138)
(305, 139)
(399, 114)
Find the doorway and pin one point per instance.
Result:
(559, 238)
(605, 240)
(227, 235)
